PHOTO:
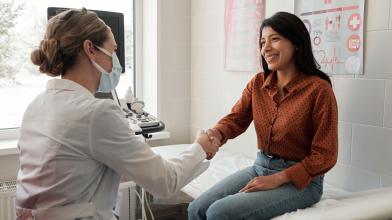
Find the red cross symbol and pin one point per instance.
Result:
(354, 22)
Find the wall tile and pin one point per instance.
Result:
(207, 30)
(273, 6)
(352, 179)
(377, 59)
(179, 8)
(176, 30)
(390, 15)
(388, 105)
(386, 181)
(175, 58)
(206, 58)
(207, 85)
(360, 100)
(245, 144)
(371, 149)
(175, 113)
(204, 113)
(377, 15)
(181, 90)
(344, 156)
(208, 7)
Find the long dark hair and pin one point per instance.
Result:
(292, 28)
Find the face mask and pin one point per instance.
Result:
(108, 81)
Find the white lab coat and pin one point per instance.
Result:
(74, 148)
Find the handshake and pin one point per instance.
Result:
(210, 141)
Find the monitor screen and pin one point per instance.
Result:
(114, 20)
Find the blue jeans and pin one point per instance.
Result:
(224, 201)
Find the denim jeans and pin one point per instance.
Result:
(224, 201)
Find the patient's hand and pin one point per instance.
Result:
(261, 183)
(208, 146)
(215, 137)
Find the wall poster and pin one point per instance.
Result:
(336, 31)
(242, 26)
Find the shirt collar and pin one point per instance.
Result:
(65, 84)
(270, 82)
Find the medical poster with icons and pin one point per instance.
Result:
(336, 31)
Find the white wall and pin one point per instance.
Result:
(364, 102)
(173, 69)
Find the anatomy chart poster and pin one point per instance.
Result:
(242, 28)
(336, 31)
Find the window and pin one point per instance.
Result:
(22, 25)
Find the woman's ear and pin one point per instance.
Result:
(88, 49)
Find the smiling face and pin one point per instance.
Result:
(277, 51)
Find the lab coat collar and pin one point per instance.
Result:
(65, 84)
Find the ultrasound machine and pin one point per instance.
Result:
(141, 122)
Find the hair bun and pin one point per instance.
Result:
(48, 57)
(37, 57)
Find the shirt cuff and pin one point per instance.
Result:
(198, 151)
(298, 175)
(223, 132)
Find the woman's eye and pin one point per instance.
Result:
(275, 39)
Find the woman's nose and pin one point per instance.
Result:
(267, 45)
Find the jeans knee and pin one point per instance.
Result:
(216, 212)
(195, 211)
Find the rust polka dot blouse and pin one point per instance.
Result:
(301, 126)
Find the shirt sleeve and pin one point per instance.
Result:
(115, 145)
(240, 117)
(324, 148)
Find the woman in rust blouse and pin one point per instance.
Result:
(295, 115)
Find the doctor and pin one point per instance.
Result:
(73, 147)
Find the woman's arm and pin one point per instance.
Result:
(324, 148)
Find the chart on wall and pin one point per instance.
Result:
(336, 31)
(242, 26)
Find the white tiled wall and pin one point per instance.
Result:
(360, 100)
(388, 105)
(371, 148)
(173, 18)
(364, 101)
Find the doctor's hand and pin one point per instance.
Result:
(215, 137)
(208, 146)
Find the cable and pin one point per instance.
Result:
(129, 203)
(144, 217)
(149, 209)
(142, 199)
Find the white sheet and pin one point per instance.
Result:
(370, 204)
(335, 204)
